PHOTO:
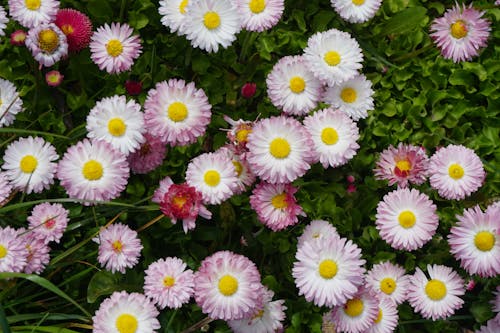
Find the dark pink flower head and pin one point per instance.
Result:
(54, 78)
(76, 26)
(133, 87)
(18, 37)
(181, 201)
(248, 90)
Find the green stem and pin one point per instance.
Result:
(3, 321)
(414, 53)
(122, 9)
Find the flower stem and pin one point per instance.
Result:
(150, 223)
(198, 325)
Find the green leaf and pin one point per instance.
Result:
(44, 329)
(102, 283)
(100, 9)
(481, 311)
(461, 77)
(404, 21)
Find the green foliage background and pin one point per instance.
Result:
(420, 98)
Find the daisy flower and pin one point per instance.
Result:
(173, 14)
(211, 23)
(437, 297)
(334, 135)
(48, 221)
(333, 56)
(5, 188)
(492, 326)
(114, 48)
(317, 229)
(275, 205)
(76, 26)
(3, 20)
(248, 90)
(358, 313)
(227, 286)
(214, 176)
(124, 313)
(406, 219)
(238, 134)
(267, 320)
(177, 112)
(38, 251)
(356, 11)
(245, 175)
(387, 318)
(475, 242)
(54, 78)
(460, 33)
(47, 44)
(180, 202)
(328, 271)
(403, 165)
(456, 172)
(353, 96)
(10, 103)
(32, 13)
(149, 156)
(168, 283)
(13, 252)
(93, 170)
(292, 87)
(117, 122)
(18, 37)
(119, 247)
(279, 149)
(388, 281)
(260, 15)
(29, 164)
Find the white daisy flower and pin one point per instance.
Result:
(173, 14)
(29, 164)
(47, 43)
(333, 56)
(211, 23)
(317, 229)
(260, 15)
(10, 103)
(117, 122)
(214, 176)
(334, 135)
(353, 96)
(389, 281)
(387, 318)
(356, 11)
(292, 87)
(3, 20)
(32, 13)
(358, 313)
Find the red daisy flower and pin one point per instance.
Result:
(76, 26)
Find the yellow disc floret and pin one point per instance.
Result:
(182, 6)
(456, 171)
(228, 285)
(388, 285)
(458, 29)
(92, 170)
(117, 246)
(279, 201)
(116, 127)
(484, 240)
(435, 290)
(28, 164)
(297, 84)
(279, 148)
(403, 165)
(407, 219)
(211, 20)
(48, 40)
(168, 281)
(358, 2)
(212, 178)
(177, 111)
(114, 48)
(332, 58)
(126, 323)
(329, 136)
(238, 168)
(327, 269)
(379, 316)
(67, 29)
(32, 4)
(3, 251)
(257, 6)
(354, 307)
(348, 95)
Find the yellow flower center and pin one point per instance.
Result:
(238, 167)
(114, 48)
(32, 4)
(177, 111)
(211, 20)
(3, 251)
(403, 165)
(212, 178)
(484, 240)
(329, 136)
(316, 235)
(117, 246)
(407, 219)
(257, 6)
(228, 285)
(458, 29)
(388, 285)
(435, 289)
(279, 201)
(116, 127)
(259, 314)
(168, 281)
(67, 29)
(242, 135)
(1, 102)
(92, 170)
(332, 58)
(456, 171)
(348, 95)
(126, 323)
(354, 307)
(297, 84)
(48, 40)
(28, 164)
(358, 2)
(179, 201)
(279, 148)
(379, 316)
(182, 6)
(328, 269)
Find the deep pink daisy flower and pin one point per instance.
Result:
(439, 296)
(13, 251)
(406, 219)
(275, 205)
(38, 251)
(328, 270)
(227, 286)
(114, 48)
(119, 247)
(168, 283)
(461, 32)
(358, 313)
(76, 26)
(149, 156)
(475, 242)
(279, 149)
(48, 221)
(456, 172)
(403, 165)
(388, 281)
